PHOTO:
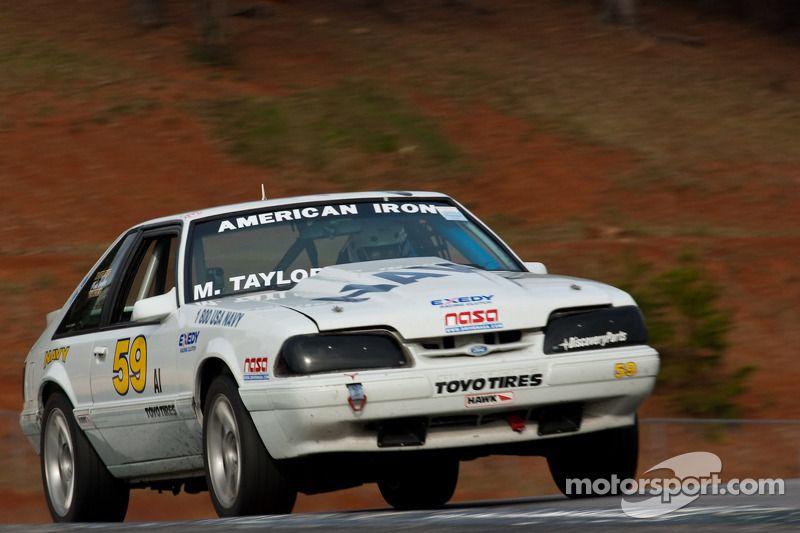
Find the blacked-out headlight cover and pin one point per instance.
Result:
(572, 331)
(315, 354)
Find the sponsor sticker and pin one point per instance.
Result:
(257, 280)
(488, 384)
(323, 211)
(450, 212)
(255, 369)
(187, 342)
(161, 411)
(57, 354)
(218, 317)
(100, 282)
(598, 340)
(458, 301)
(488, 399)
(478, 319)
(287, 215)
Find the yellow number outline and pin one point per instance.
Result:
(130, 365)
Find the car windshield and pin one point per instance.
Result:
(276, 248)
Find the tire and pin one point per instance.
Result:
(77, 485)
(242, 478)
(600, 455)
(420, 483)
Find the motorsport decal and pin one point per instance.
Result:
(187, 342)
(488, 398)
(472, 320)
(493, 383)
(398, 279)
(257, 280)
(161, 411)
(57, 354)
(255, 369)
(218, 317)
(598, 340)
(459, 301)
(130, 365)
(322, 211)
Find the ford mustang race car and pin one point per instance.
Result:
(316, 343)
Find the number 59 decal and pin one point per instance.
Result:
(625, 370)
(130, 365)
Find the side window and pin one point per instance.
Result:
(87, 309)
(151, 273)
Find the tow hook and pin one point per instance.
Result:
(516, 423)
(356, 397)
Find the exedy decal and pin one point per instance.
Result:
(463, 300)
(187, 342)
(58, 354)
(406, 276)
(492, 383)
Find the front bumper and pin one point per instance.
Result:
(310, 415)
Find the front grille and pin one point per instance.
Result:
(493, 338)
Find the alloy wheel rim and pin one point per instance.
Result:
(59, 462)
(224, 451)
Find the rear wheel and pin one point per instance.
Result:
(420, 483)
(594, 456)
(241, 476)
(77, 485)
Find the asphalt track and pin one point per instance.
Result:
(708, 513)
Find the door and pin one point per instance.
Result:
(137, 407)
(78, 331)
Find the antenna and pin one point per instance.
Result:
(263, 193)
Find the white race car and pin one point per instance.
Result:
(316, 343)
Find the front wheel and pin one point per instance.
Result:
(77, 485)
(420, 483)
(242, 478)
(594, 456)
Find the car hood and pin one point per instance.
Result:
(430, 297)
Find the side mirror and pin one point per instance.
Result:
(535, 267)
(155, 308)
(52, 316)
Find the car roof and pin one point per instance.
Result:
(290, 200)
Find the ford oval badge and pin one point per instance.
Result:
(478, 349)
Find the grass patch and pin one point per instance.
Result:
(11, 288)
(134, 106)
(689, 329)
(342, 130)
(32, 64)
